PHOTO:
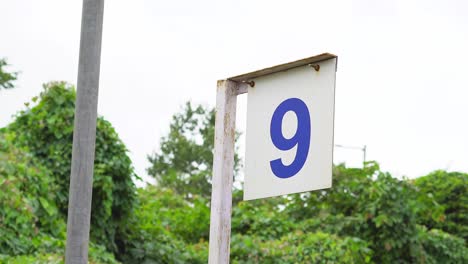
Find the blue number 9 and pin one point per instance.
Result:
(301, 138)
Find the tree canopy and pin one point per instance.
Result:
(6, 78)
(46, 131)
(449, 190)
(185, 160)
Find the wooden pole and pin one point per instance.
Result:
(223, 170)
(84, 133)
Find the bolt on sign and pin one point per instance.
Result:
(289, 135)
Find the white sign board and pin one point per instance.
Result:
(289, 136)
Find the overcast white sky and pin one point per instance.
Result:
(402, 80)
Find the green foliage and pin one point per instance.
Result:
(449, 189)
(162, 227)
(261, 218)
(50, 250)
(441, 247)
(185, 160)
(46, 131)
(6, 78)
(187, 221)
(389, 221)
(368, 204)
(166, 228)
(299, 247)
(344, 198)
(27, 201)
(31, 228)
(33, 259)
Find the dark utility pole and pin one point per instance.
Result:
(84, 133)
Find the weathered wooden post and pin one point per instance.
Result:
(84, 133)
(223, 169)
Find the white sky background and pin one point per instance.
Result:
(402, 80)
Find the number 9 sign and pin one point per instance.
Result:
(301, 138)
(289, 133)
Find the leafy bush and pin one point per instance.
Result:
(299, 247)
(53, 254)
(450, 190)
(31, 228)
(33, 259)
(344, 198)
(46, 130)
(164, 226)
(440, 247)
(27, 201)
(389, 223)
(262, 218)
(368, 204)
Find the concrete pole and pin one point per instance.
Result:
(84, 133)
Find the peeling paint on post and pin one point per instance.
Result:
(223, 170)
(84, 133)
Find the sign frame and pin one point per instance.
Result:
(223, 161)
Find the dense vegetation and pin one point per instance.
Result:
(184, 162)
(31, 227)
(367, 217)
(43, 133)
(46, 131)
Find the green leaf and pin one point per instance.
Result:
(50, 209)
